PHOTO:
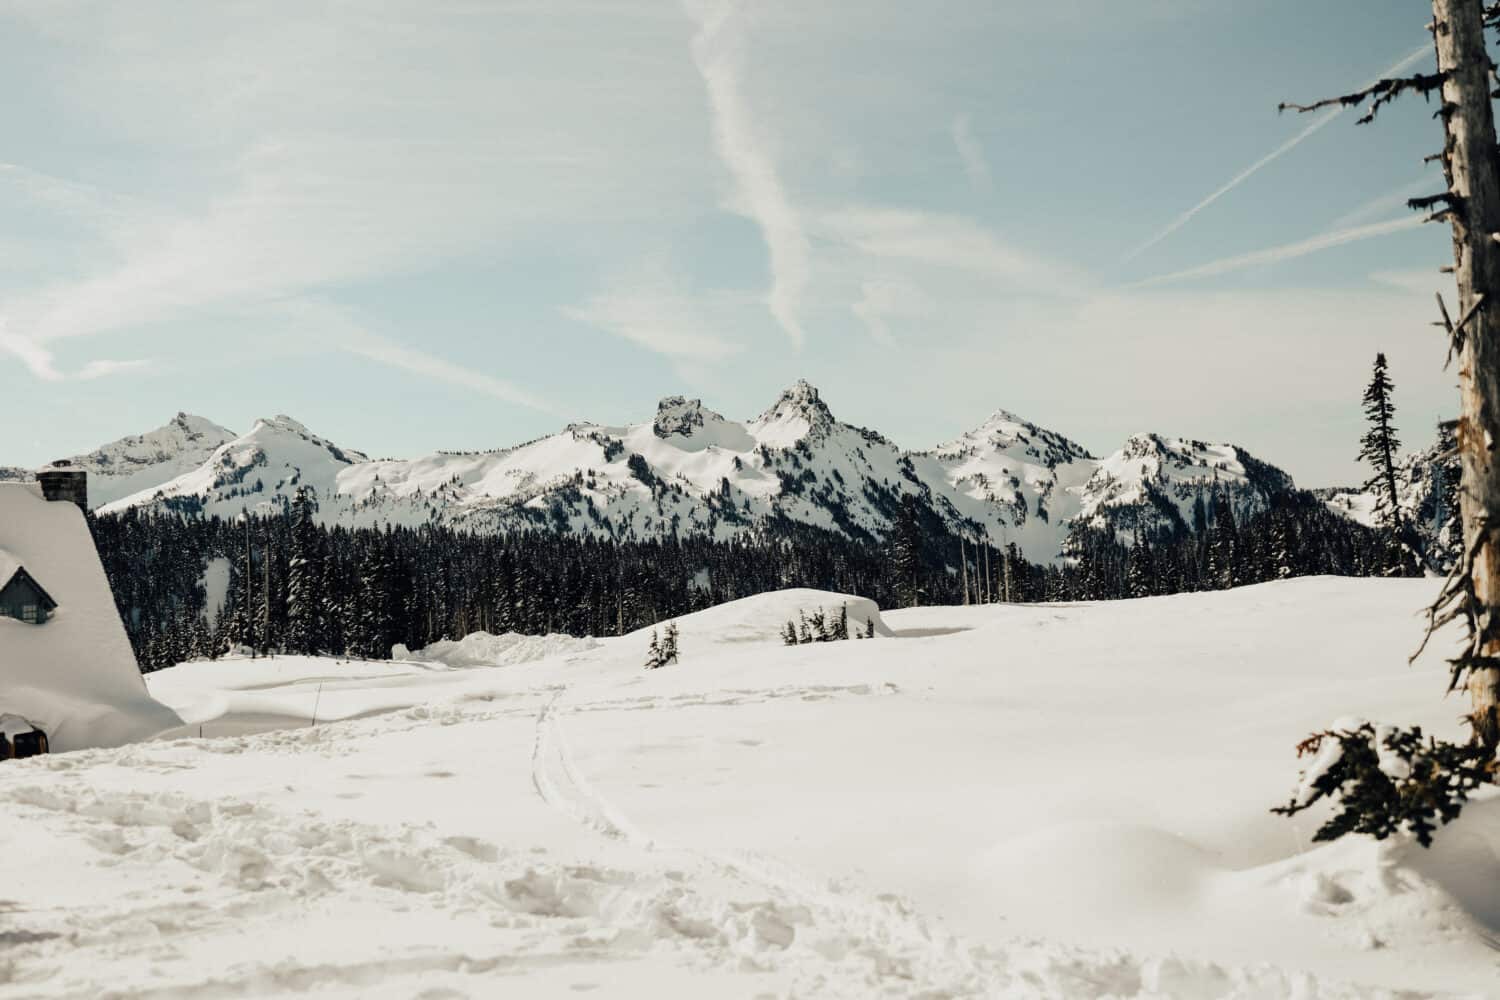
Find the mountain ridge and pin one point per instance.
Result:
(691, 470)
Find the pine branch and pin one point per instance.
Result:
(1381, 93)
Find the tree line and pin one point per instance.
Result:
(291, 585)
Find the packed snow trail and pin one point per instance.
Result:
(559, 784)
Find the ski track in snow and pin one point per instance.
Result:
(906, 955)
(237, 870)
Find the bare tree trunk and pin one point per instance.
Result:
(1473, 169)
(963, 568)
(987, 577)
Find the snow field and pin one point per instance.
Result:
(1003, 801)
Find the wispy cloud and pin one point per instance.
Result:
(651, 307)
(882, 300)
(951, 242)
(718, 52)
(1423, 281)
(415, 362)
(42, 363)
(1286, 251)
(1385, 204)
(1318, 124)
(341, 330)
(311, 151)
(976, 167)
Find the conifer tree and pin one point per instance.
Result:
(669, 644)
(1380, 445)
(907, 551)
(304, 578)
(1140, 568)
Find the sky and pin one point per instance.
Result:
(462, 224)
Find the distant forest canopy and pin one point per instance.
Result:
(295, 586)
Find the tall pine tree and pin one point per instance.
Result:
(1380, 445)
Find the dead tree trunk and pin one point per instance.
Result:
(1471, 205)
(1473, 170)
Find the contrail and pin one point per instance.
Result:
(1286, 251)
(1270, 157)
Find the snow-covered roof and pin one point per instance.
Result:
(76, 676)
(9, 565)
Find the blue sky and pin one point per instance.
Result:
(430, 224)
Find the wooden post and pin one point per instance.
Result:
(1473, 170)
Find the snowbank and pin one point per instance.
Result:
(762, 617)
(484, 649)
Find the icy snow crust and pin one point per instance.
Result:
(1006, 801)
(691, 470)
(75, 676)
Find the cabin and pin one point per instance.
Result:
(68, 676)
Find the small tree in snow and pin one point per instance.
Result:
(669, 644)
(663, 648)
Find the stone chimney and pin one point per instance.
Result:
(65, 483)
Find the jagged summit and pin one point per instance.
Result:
(681, 416)
(798, 412)
(1007, 432)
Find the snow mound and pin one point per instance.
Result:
(762, 617)
(485, 649)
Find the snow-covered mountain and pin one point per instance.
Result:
(691, 470)
(1427, 494)
(1155, 483)
(260, 469)
(144, 462)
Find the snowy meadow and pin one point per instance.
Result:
(1066, 800)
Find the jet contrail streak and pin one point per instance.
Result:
(1287, 251)
(1270, 157)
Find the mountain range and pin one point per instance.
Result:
(691, 470)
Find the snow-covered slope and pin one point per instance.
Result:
(690, 470)
(1156, 483)
(143, 462)
(1001, 801)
